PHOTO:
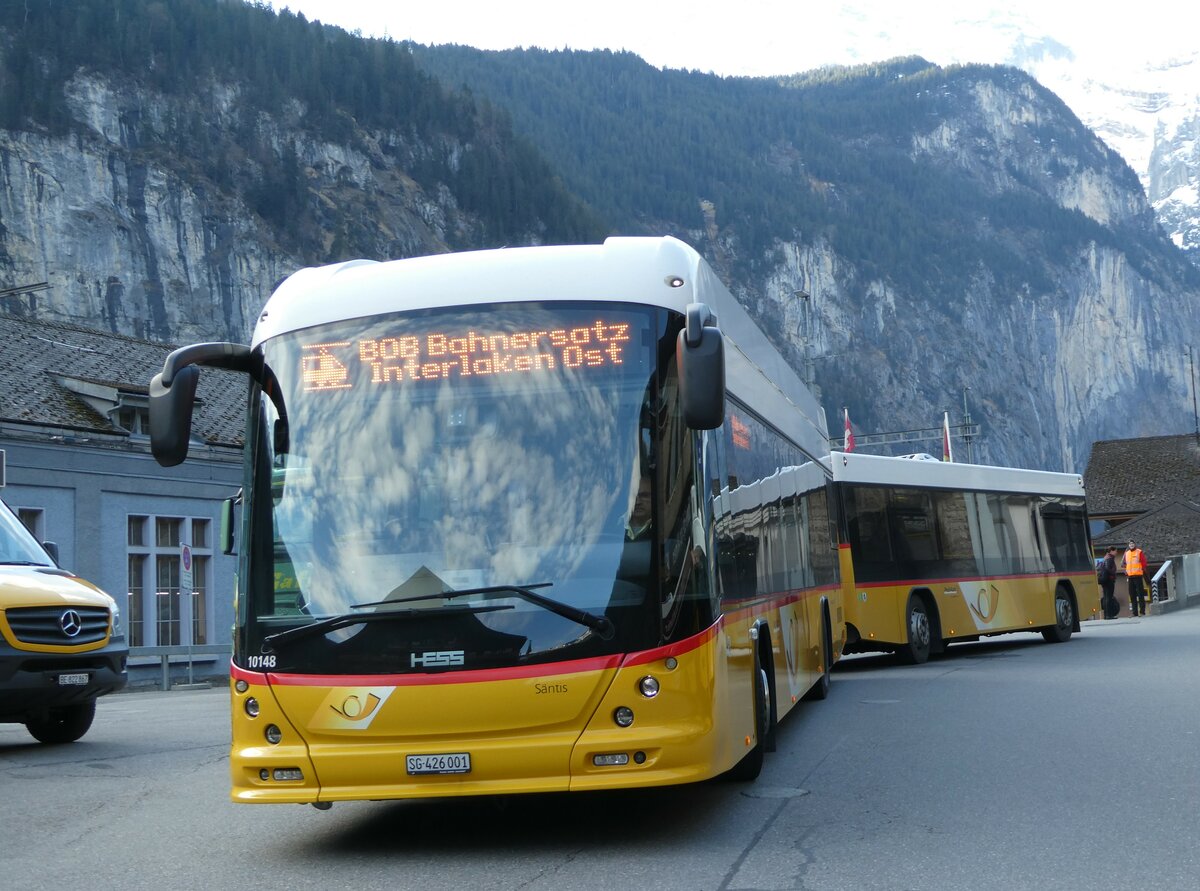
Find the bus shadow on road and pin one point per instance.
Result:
(569, 822)
(1006, 646)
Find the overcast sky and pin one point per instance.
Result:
(764, 37)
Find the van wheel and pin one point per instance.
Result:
(920, 634)
(63, 725)
(748, 769)
(1064, 618)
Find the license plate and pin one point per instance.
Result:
(72, 680)
(455, 762)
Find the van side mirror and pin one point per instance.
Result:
(51, 548)
(700, 360)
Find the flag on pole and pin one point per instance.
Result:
(947, 454)
(848, 443)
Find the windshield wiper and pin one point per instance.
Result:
(602, 625)
(272, 642)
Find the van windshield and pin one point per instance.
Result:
(17, 546)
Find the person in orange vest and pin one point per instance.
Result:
(1135, 571)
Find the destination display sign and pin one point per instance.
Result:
(410, 359)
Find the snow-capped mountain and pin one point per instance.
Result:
(1150, 115)
(1134, 79)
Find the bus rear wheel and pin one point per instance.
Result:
(920, 634)
(1064, 618)
(63, 725)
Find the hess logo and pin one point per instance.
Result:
(437, 658)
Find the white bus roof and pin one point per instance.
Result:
(849, 467)
(621, 270)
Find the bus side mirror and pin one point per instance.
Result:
(171, 415)
(51, 549)
(700, 358)
(173, 394)
(228, 506)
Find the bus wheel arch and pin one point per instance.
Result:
(762, 691)
(766, 661)
(922, 628)
(1066, 615)
(820, 690)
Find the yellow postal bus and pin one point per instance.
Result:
(947, 552)
(521, 520)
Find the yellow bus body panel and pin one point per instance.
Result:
(968, 607)
(539, 733)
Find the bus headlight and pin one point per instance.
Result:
(273, 734)
(623, 716)
(252, 707)
(648, 686)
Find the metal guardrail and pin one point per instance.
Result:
(1154, 598)
(164, 654)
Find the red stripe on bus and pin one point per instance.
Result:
(674, 649)
(895, 583)
(545, 669)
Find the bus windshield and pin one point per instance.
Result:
(496, 453)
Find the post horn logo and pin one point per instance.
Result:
(986, 603)
(355, 709)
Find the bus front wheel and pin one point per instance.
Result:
(748, 769)
(1064, 618)
(820, 690)
(920, 634)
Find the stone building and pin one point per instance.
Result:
(1145, 490)
(78, 472)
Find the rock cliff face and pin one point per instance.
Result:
(130, 242)
(1097, 351)
(1093, 347)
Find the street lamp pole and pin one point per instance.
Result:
(806, 335)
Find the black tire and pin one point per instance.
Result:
(1064, 618)
(63, 725)
(919, 630)
(820, 690)
(748, 769)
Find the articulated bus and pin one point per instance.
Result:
(521, 520)
(947, 552)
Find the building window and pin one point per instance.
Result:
(33, 519)
(160, 614)
(135, 419)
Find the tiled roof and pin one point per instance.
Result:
(1167, 531)
(1130, 476)
(34, 355)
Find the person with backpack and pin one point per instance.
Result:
(1135, 571)
(1106, 575)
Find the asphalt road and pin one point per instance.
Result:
(1008, 764)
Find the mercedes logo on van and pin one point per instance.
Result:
(71, 623)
